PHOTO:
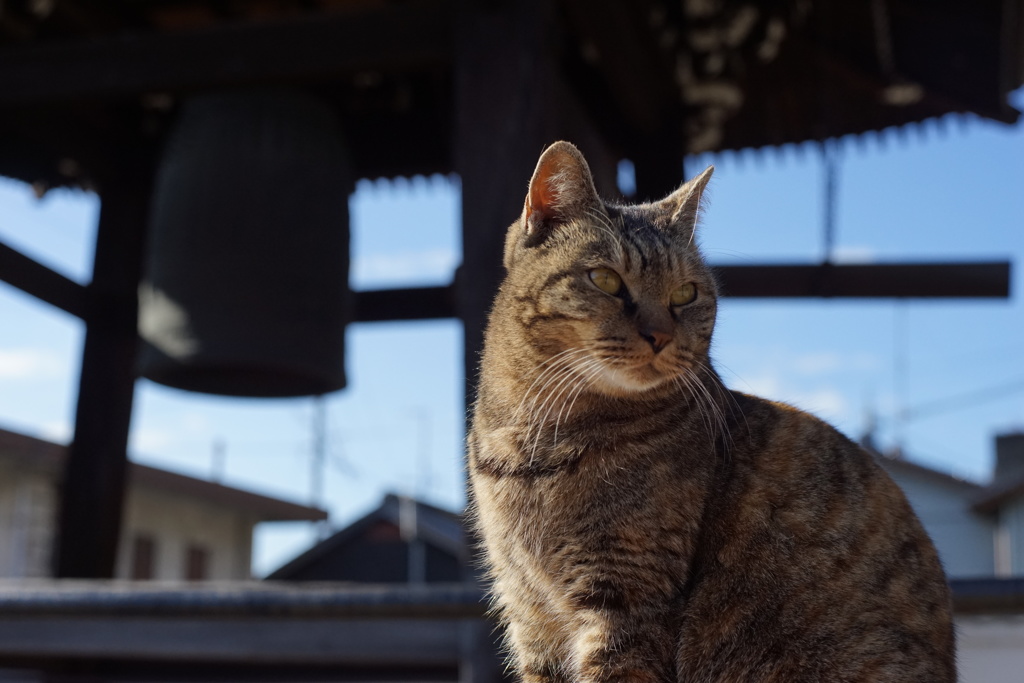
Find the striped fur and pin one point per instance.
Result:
(642, 523)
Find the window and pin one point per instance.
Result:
(143, 558)
(197, 563)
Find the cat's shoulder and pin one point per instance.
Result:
(778, 429)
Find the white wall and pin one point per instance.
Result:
(965, 540)
(27, 518)
(991, 649)
(28, 502)
(175, 523)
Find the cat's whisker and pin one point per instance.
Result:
(724, 390)
(554, 363)
(713, 407)
(698, 404)
(707, 405)
(564, 387)
(583, 384)
(546, 394)
(564, 359)
(554, 382)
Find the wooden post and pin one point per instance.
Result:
(510, 103)
(93, 487)
(502, 71)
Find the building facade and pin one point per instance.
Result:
(175, 527)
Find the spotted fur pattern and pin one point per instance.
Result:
(642, 523)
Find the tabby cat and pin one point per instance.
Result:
(643, 523)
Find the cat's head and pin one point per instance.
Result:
(620, 292)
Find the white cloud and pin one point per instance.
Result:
(854, 254)
(29, 364)
(817, 363)
(58, 431)
(824, 401)
(149, 440)
(404, 267)
(824, 362)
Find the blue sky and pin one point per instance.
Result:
(952, 189)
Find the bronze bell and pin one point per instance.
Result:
(245, 291)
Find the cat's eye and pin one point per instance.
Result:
(681, 296)
(606, 280)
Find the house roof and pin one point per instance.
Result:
(434, 525)
(986, 499)
(991, 498)
(897, 463)
(49, 456)
(988, 596)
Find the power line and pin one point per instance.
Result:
(963, 401)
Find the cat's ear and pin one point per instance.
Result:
(561, 190)
(683, 206)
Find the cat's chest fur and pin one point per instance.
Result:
(598, 500)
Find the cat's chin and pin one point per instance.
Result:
(622, 383)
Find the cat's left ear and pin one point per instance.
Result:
(561, 190)
(683, 206)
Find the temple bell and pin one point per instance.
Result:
(245, 290)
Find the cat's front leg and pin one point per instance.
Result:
(536, 658)
(538, 650)
(615, 647)
(537, 638)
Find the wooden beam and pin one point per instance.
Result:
(871, 281)
(323, 46)
(415, 303)
(977, 280)
(92, 490)
(894, 280)
(47, 285)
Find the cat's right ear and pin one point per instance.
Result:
(561, 190)
(684, 205)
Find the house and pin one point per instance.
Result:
(977, 529)
(963, 536)
(406, 541)
(979, 533)
(401, 541)
(175, 527)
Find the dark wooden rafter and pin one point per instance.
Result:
(635, 103)
(44, 284)
(413, 35)
(615, 38)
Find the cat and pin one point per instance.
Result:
(642, 523)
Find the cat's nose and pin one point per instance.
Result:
(658, 339)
